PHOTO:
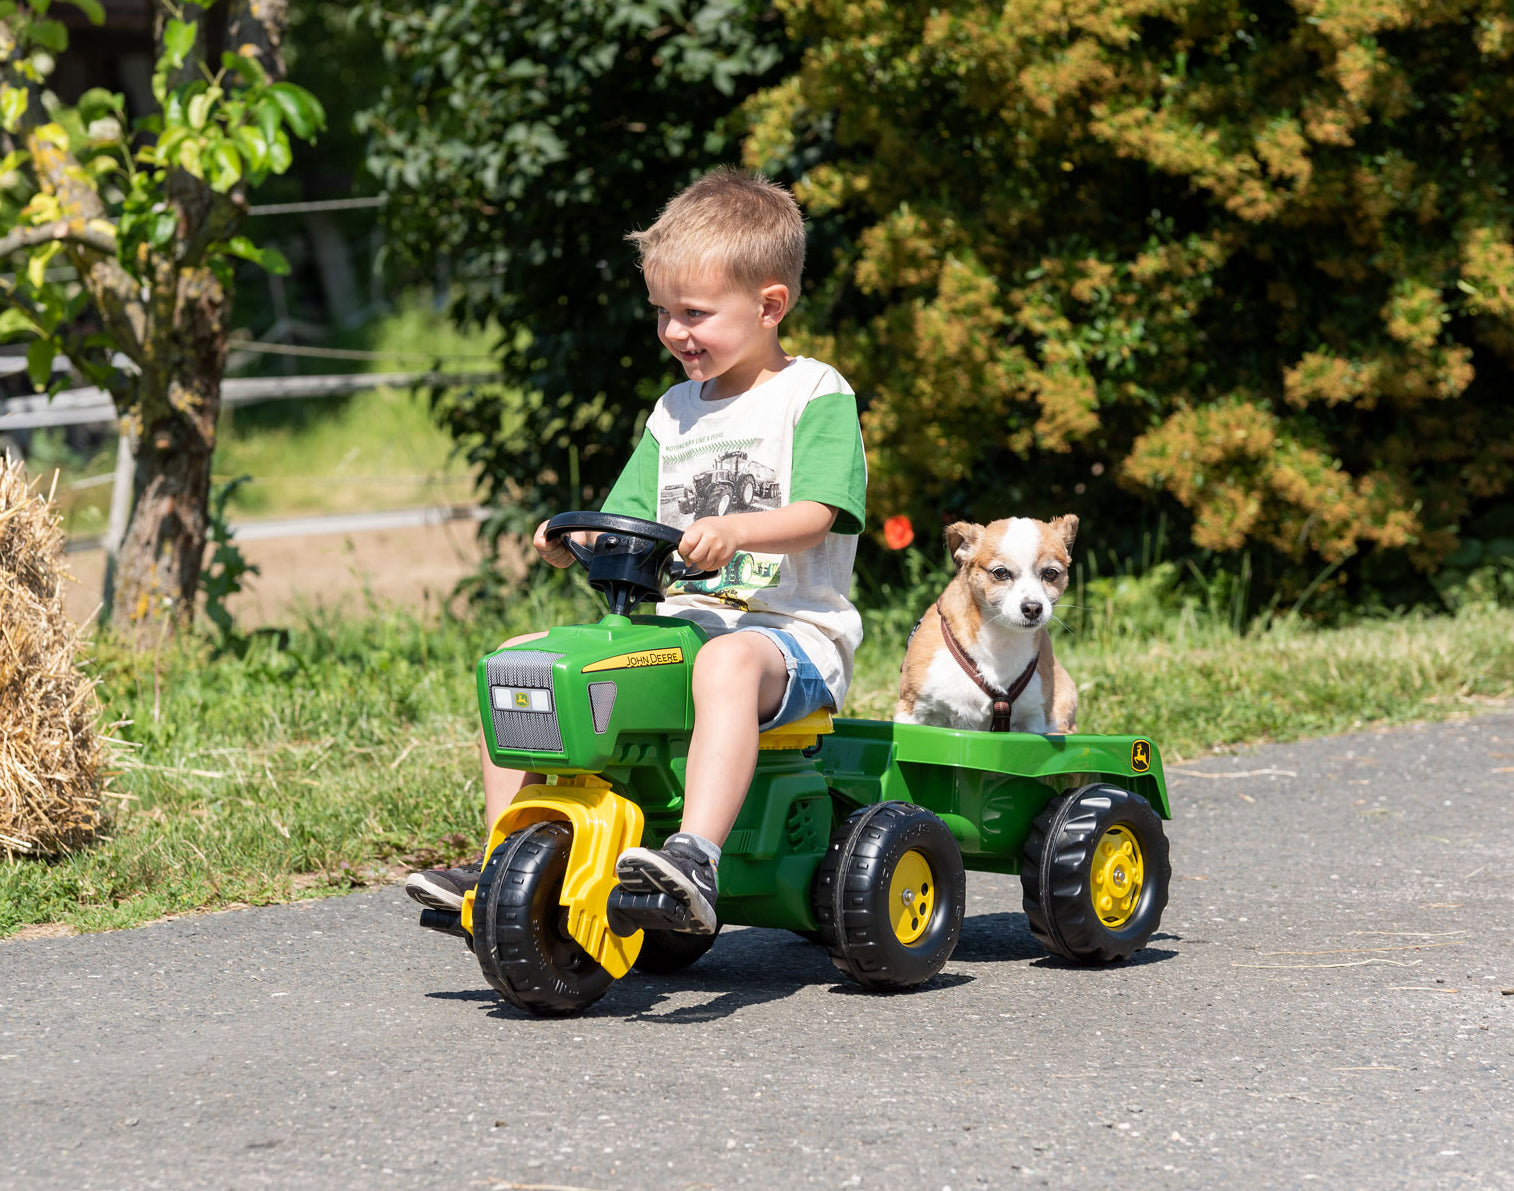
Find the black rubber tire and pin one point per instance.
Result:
(851, 889)
(520, 928)
(665, 951)
(1056, 879)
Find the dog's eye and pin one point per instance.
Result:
(1001, 574)
(1049, 575)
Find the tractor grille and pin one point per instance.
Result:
(601, 704)
(520, 696)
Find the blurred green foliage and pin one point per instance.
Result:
(523, 140)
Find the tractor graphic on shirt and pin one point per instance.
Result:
(735, 484)
(738, 579)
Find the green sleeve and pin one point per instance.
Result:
(634, 494)
(829, 465)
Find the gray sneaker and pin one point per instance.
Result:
(443, 888)
(679, 870)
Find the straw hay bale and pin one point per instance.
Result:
(50, 754)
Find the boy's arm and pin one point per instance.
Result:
(634, 494)
(711, 542)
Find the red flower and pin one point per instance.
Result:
(898, 532)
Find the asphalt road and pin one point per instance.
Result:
(1324, 1006)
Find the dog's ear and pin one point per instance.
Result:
(1067, 526)
(961, 537)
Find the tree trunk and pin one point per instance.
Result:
(158, 569)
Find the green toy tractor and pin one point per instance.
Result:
(855, 832)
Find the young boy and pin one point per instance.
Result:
(758, 458)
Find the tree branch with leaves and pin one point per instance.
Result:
(146, 212)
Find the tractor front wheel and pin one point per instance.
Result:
(889, 896)
(520, 926)
(1096, 874)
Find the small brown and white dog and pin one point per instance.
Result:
(981, 657)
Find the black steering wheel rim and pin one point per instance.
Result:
(612, 523)
(646, 572)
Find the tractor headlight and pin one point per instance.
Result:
(509, 698)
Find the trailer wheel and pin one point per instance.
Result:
(1096, 874)
(521, 927)
(665, 951)
(889, 896)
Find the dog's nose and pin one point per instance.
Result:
(1031, 609)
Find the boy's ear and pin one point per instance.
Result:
(775, 300)
(961, 537)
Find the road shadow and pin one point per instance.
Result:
(755, 966)
(937, 983)
(1143, 957)
(744, 968)
(996, 938)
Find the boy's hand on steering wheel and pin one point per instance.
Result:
(709, 543)
(553, 552)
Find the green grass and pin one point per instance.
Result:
(347, 755)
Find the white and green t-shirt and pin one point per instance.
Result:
(793, 437)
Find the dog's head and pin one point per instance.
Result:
(1015, 570)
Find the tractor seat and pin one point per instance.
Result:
(801, 734)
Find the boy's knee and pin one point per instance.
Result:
(735, 659)
(731, 649)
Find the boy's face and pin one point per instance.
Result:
(720, 332)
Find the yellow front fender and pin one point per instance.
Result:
(604, 825)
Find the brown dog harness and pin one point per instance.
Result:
(1003, 701)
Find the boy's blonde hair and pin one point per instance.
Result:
(739, 226)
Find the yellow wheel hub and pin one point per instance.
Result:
(911, 897)
(1118, 872)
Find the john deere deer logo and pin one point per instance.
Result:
(1140, 756)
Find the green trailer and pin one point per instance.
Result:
(857, 833)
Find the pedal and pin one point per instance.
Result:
(448, 922)
(628, 913)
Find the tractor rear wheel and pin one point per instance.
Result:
(665, 951)
(889, 896)
(1096, 874)
(520, 926)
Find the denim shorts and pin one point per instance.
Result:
(806, 691)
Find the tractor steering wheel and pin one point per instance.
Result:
(630, 562)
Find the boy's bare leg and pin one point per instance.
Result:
(501, 787)
(739, 681)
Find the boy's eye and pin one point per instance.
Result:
(1001, 574)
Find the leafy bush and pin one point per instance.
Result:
(1247, 265)
(526, 140)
